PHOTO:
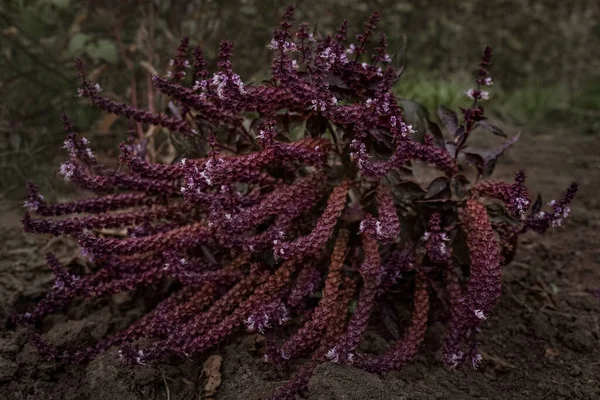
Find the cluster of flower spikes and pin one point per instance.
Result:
(248, 234)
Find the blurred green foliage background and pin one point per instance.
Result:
(546, 63)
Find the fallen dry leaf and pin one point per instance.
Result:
(212, 369)
(551, 352)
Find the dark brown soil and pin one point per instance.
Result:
(542, 342)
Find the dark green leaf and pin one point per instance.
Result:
(459, 132)
(537, 206)
(491, 157)
(438, 136)
(316, 125)
(104, 50)
(460, 250)
(450, 147)
(78, 43)
(497, 213)
(476, 160)
(438, 187)
(389, 317)
(408, 189)
(448, 118)
(298, 131)
(336, 81)
(416, 115)
(460, 185)
(492, 128)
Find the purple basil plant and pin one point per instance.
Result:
(307, 186)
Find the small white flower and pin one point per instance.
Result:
(273, 45)
(556, 222)
(378, 228)
(364, 65)
(385, 106)
(69, 145)
(31, 205)
(318, 105)
(206, 178)
(480, 94)
(200, 85)
(67, 170)
(406, 130)
(442, 249)
(140, 357)
(351, 49)
(343, 58)
(250, 323)
(289, 47)
(237, 81)
(521, 204)
(386, 58)
(333, 355)
(327, 53)
(479, 314)
(488, 81)
(455, 359)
